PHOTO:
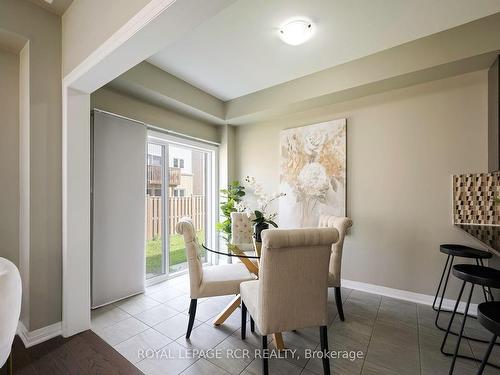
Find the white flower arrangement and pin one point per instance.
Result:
(263, 213)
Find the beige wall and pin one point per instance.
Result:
(87, 24)
(402, 148)
(9, 156)
(43, 31)
(124, 105)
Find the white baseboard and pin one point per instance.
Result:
(31, 338)
(405, 295)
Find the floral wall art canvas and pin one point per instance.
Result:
(312, 173)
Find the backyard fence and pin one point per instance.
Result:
(178, 207)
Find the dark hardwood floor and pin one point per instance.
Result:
(85, 353)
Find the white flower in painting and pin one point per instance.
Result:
(313, 181)
(313, 142)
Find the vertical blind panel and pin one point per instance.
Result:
(119, 149)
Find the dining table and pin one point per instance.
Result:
(251, 262)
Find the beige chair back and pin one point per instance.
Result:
(185, 228)
(293, 278)
(342, 224)
(241, 231)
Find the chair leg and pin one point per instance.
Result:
(487, 355)
(488, 288)
(436, 322)
(265, 364)
(338, 302)
(243, 321)
(323, 337)
(484, 288)
(461, 330)
(192, 314)
(252, 325)
(452, 318)
(440, 283)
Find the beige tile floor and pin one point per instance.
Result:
(395, 337)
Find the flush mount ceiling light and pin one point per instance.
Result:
(296, 32)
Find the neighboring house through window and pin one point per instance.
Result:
(178, 163)
(179, 192)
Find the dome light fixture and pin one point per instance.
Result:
(297, 31)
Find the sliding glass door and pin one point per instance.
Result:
(180, 183)
(155, 177)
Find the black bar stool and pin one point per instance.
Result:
(453, 250)
(488, 315)
(475, 275)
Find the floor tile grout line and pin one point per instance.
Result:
(147, 329)
(129, 316)
(242, 371)
(171, 340)
(118, 343)
(162, 321)
(198, 360)
(140, 321)
(307, 362)
(472, 352)
(118, 307)
(348, 295)
(111, 325)
(115, 304)
(371, 336)
(142, 360)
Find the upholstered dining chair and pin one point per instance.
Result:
(292, 290)
(10, 309)
(242, 232)
(207, 281)
(342, 224)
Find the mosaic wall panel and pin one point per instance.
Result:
(474, 198)
(489, 235)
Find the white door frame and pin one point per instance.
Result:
(158, 24)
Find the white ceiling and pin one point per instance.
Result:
(238, 51)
